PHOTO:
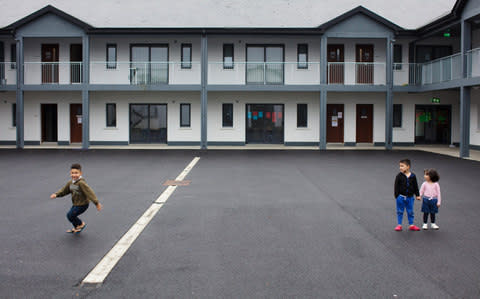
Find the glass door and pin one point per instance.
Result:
(148, 123)
(432, 124)
(149, 64)
(265, 123)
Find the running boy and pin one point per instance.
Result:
(406, 187)
(81, 195)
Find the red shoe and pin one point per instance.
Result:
(398, 228)
(414, 228)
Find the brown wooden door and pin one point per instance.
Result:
(49, 63)
(76, 123)
(364, 64)
(335, 116)
(364, 123)
(336, 61)
(76, 63)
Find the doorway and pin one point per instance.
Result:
(364, 58)
(49, 120)
(75, 123)
(335, 123)
(432, 124)
(50, 57)
(364, 131)
(76, 63)
(335, 64)
(265, 123)
(148, 123)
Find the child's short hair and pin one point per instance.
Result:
(76, 166)
(432, 174)
(405, 161)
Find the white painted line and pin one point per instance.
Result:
(105, 266)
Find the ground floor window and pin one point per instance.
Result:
(227, 115)
(14, 115)
(148, 123)
(265, 123)
(302, 112)
(397, 115)
(184, 115)
(111, 115)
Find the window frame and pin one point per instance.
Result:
(186, 64)
(111, 65)
(13, 56)
(400, 111)
(185, 125)
(397, 64)
(300, 64)
(228, 67)
(224, 124)
(302, 123)
(115, 115)
(14, 115)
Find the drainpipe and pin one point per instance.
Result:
(19, 94)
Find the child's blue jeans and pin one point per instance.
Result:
(72, 215)
(404, 202)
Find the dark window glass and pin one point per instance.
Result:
(13, 56)
(228, 56)
(397, 57)
(111, 115)
(14, 115)
(302, 112)
(302, 56)
(227, 115)
(184, 115)
(111, 56)
(397, 115)
(186, 56)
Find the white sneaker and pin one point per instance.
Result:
(425, 226)
(434, 226)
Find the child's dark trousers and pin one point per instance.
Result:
(73, 214)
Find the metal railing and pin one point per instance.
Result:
(356, 73)
(442, 69)
(265, 73)
(53, 72)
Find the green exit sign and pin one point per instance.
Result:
(435, 100)
(446, 34)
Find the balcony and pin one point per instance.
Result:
(473, 63)
(356, 73)
(37, 73)
(8, 73)
(145, 73)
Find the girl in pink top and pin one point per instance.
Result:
(431, 197)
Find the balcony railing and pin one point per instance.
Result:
(356, 73)
(8, 73)
(53, 72)
(473, 63)
(442, 69)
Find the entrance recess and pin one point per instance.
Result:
(364, 64)
(148, 123)
(432, 124)
(50, 63)
(364, 123)
(335, 123)
(75, 123)
(335, 64)
(49, 123)
(265, 123)
(76, 63)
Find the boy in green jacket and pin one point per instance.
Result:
(81, 195)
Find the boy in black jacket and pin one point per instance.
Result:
(406, 188)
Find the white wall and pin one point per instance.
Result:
(400, 76)
(10, 74)
(239, 100)
(98, 101)
(99, 74)
(475, 117)
(7, 131)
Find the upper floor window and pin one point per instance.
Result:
(13, 56)
(397, 115)
(186, 56)
(265, 64)
(149, 64)
(228, 56)
(302, 56)
(111, 56)
(397, 57)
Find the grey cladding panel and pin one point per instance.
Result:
(360, 25)
(472, 8)
(52, 26)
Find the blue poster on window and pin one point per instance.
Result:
(255, 117)
(260, 114)
(249, 114)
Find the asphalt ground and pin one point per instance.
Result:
(252, 224)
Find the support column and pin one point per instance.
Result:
(85, 93)
(20, 124)
(323, 94)
(204, 96)
(389, 97)
(466, 45)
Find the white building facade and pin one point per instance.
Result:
(357, 79)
